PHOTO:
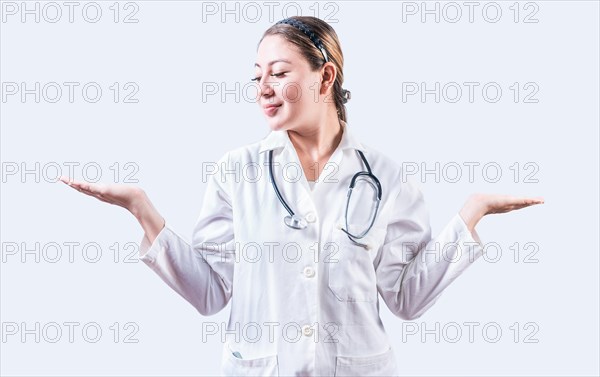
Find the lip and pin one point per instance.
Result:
(271, 108)
(271, 105)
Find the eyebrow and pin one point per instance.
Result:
(274, 61)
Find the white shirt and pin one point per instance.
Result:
(305, 302)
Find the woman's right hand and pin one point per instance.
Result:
(118, 194)
(132, 198)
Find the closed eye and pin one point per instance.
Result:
(273, 74)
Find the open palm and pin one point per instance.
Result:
(113, 193)
(496, 203)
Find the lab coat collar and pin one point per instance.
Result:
(280, 138)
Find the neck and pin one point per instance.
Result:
(319, 141)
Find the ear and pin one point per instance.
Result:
(328, 75)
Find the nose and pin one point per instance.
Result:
(265, 88)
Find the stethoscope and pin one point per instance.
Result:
(298, 222)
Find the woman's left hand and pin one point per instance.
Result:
(479, 205)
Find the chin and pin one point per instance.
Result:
(276, 125)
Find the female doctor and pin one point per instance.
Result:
(304, 243)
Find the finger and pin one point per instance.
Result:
(71, 182)
(532, 201)
(67, 180)
(97, 193)
(89, 192)
(519, 205)
(521, 201)
(84, 191)
(108, 201)
(100, 197)
(75, 186)
(514, 203)
(88, 187)
(82, 188)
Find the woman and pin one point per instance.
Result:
(302, 261)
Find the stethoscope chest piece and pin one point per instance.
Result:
(295, 222)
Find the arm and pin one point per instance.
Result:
(201, 272)
(413, 268)
(148, 217)
(206, 284)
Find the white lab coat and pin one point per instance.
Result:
(305, 302)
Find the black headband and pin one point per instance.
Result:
(304, 28)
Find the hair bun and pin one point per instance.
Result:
(345, 95)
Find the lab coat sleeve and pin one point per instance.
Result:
(412, 268)
(201, 272)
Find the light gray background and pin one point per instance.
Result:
(170, 52)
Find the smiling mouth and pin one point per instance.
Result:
(271, 110)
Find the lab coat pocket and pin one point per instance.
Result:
(383, 364)
(235, 366)
(351, 273)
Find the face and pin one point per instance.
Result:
(289, 93)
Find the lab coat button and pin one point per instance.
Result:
(309, 272)
(307, 330)
(310, 217)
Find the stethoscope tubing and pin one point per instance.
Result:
(296, 222)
